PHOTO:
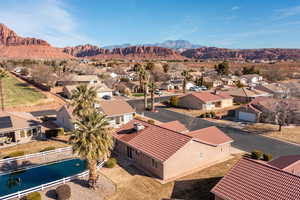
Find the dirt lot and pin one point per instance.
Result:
(35, 146)
(290, 134)
(133, 184)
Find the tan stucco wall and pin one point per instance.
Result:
(189, 158)
(141, 160)
(226, 103)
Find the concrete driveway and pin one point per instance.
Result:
(243, 140)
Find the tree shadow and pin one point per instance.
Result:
(51, 194)
(194, 189)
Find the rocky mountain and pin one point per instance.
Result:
(178, 45)
(14, 46)
(132, 52)
(242, 54)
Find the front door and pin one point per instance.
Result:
(129, 152)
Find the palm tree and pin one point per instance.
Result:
(92, 140)
(3, 74)
(152, 87)
(186, 77)
(83, 100)
(145, 79)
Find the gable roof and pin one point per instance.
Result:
(253, 180)
(19, 120)
(157, 142)
(245, 92)
(175, 126)
(115, 107)
(284, 162)
(208, 96)
(99, 87)
(210, 135)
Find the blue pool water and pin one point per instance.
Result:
(14, 182)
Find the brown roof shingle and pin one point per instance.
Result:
(252, 180)
(158, 142)
(284, 162)
(175, 126)
(115, 107)
(210, 135)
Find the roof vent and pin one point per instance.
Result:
(138, 126)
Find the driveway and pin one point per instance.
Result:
(246, 141)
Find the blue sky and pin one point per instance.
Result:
(221, 23)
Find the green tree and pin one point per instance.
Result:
(186, 76)
(83, 100)
(152, 88)
(150, 66)
(92, 140)
(222, 68)
(3, 74)
(174, 100)
(250, 70)
(166, 68)
(199, 81)
(137, 67)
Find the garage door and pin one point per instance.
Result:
(249, 117)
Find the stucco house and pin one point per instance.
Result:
(251, 79)
(245, 95)
(276, 89)
(74, 79)
(165, 153)
(118, 112)
(205, 100)
(18, 127)
(260, 109)
(100, 88)
(252, 180)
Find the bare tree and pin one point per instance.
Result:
(282, 114)
(44, 74)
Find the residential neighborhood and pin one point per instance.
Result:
(148, 115)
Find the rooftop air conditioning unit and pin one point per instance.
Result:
(138, 126)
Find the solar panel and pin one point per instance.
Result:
(5, 122)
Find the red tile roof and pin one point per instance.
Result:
(285, 162)
(208, 96)
(210, 135)
(175, 126)
(252, 180)
(158, 142)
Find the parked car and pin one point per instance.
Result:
(158, 92)
(106, 97)
(195, 89)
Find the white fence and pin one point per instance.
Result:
(47, 185)
(34, 155)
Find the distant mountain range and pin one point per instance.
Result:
(13, 46)
(178, 45)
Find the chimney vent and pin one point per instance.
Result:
(138, 126)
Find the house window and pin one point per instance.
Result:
(29, 133)
(154, 163)
(201, 155)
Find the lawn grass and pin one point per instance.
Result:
(17, 93)
(132, 184)
(138, 94)
(290, 134)
(35, 146)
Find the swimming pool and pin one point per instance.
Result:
(25, 179)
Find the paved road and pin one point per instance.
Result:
(243, 140)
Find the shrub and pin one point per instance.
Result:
(151, 121)
(60, 131)
(213, 115)
(165, 102)
(33, 196)
(267, 157)
(174, 101)
(15, 154)
(111, 163)
(256, 154)
(63, 192)
(48, 149)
